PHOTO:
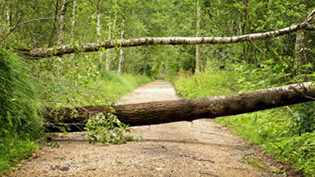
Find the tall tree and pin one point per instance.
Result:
(6, 17)
(301, 50)
(122, 50)
(109, 38)
(98, 31)
(54, 28)
(6, 14)
(197, 35)
(61, 39)
(73, 21)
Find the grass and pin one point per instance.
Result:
(19, 117)
(22, 96)
(13, 149)
(273, 129)
(101, 89)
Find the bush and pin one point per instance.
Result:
(287, 135)
(20, 122)
(18, 109)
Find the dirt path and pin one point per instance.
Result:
(201, 148)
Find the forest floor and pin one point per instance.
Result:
(200, 148)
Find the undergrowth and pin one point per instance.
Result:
(287, 132)
(102, 88)
(25, 91)
(20, 122)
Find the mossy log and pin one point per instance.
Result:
(191, 109)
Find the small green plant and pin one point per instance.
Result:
(116, 161)
(20, 121)
(53, 145)
(193, 139)
(303, 119)
(107, 129)
(287, 135)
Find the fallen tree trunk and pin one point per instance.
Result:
(92, 47)
(191, 109)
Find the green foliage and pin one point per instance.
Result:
(287, 135)
(273, 131)
(217, 83)
(18, 110)
(81, 83)
(14, 148)
(107, 129)
(79, 79)
(20, 123)
(303, 120)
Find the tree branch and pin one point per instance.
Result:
(92, 47)
(29, 21)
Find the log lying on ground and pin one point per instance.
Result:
(192, 109)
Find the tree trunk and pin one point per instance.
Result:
(109, 38)
(61, 39)
(7, 20)
(122, 50)
(301, 52)
(92, 47)
(98, 31)
(6, 14)
(50, 43)
(245, 16)
(191, 109)
(73, 22)
(72, 27)
(197, 35)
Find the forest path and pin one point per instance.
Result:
(201, 148)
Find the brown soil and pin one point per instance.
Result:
(200, 148)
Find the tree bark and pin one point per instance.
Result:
(197, 35)
(109, 38)
(92, 47)
(61, 39)
(6, 14)
(301, 52)
(54, 24)
(73, 22)
(122, 50)
(191, 109)
(98, 31)
(7, 20)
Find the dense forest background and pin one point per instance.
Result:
(75, 22)
(98, 78)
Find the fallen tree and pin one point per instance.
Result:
(190, 109)
(92, 47)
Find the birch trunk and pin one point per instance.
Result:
(301, 52)
(109, 38)
(197, 35)
(61, 39)
(6, 15)
(191, 109)
(98, 31)
(92, 47)
(72, 26)
(73, 22)
(122, 50)
(6, 18)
